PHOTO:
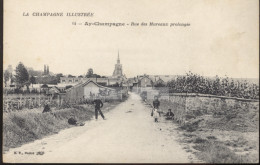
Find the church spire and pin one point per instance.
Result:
(118, 60)
(118, 68)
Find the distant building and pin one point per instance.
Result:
(118, 72)
(101, 81)
(146, 82)
(86, 90)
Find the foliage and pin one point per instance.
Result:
(58, 76)
(160, 84)
(195, 83)
(22, 76)
(90, 73)
(34, 73)
(32, 80)
(47, 79)
(71, 75)
(26, 126)
(7, 76)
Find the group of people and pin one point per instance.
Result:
(98, 104)
(156, 113)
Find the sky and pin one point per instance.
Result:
(222, 39)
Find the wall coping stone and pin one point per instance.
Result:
(207, 95)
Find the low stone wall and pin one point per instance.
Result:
(183, 104)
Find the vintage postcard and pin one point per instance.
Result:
(131, 81)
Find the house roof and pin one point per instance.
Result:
(86, 83)
(144, 77)
(56, 89)
(89, 81)
(164, 78)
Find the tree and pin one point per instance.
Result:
(32, 80)
(58, 76)
(96, 76)
(90, 73)
(35, 73)
(6, 76)
(22, 76)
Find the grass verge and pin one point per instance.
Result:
(25, 126)
(217, 152)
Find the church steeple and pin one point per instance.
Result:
(118, 59)
(118, 68)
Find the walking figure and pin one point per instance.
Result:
(98, 105)
(156, 104)
(156, 115)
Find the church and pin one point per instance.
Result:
(118, 72)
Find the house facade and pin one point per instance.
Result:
(88, 90)
(102, 81)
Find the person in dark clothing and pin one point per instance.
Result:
(169, 115)
(72, 121)
(46, 108)
(98, 105)
(156, 103)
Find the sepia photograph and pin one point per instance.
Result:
(130, 81)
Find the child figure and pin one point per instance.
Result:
(156, 115)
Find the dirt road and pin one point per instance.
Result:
(129, 135)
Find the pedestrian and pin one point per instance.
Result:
(156, 115)
(98, 105)
(156, 103)
(72, 121)
(169, 115)
(46, 108)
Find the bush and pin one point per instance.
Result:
(195, 83)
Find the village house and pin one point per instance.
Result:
(88, 90)
(164, 79)
(102, 81)
(146, 82)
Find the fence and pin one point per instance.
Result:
(18, 102)
(13, 102)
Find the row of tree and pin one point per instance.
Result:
(195, 83)
(26, 76)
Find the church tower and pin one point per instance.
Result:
(118, 68)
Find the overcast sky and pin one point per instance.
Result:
(222, 39)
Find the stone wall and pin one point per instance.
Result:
(198, 104)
